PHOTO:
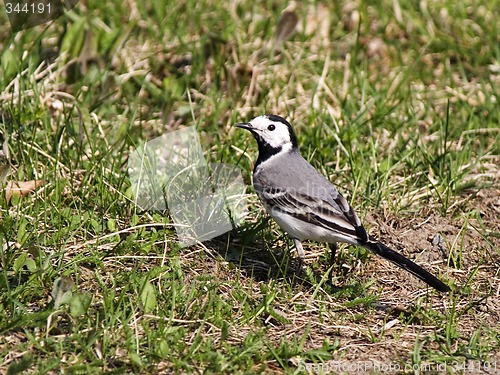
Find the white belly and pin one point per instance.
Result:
(304, 231)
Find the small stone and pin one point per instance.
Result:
(437, 240)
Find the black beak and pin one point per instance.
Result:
(244, 125)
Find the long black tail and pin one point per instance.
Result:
(406, 264)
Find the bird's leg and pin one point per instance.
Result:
(333, 250)
(300, 252)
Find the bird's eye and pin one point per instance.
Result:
(271, 127)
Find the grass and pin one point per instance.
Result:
(396, 102)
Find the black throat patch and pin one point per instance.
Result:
(265, 150)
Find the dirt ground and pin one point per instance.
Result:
(469, 243)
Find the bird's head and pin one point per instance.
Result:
(271, 131)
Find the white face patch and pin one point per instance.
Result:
(274, 133)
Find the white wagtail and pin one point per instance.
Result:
(305, 204)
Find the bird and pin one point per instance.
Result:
(305, 204)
